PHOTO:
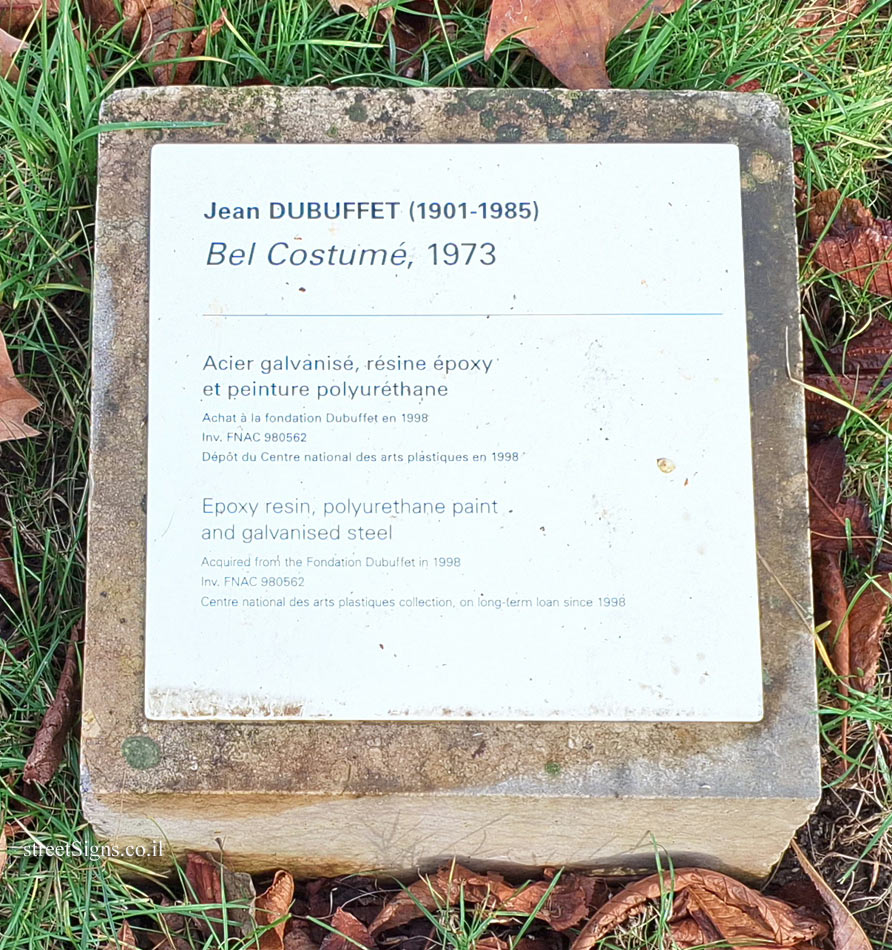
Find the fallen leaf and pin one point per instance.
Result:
(10, 46)
(837, 522)
(49, 743)
(867, 621)
(15, 401)
(350, 932)
(8, 580)
(570, 900)
(751, 85)
(199, 45)
(107, 14)
(856, 246)
(867, 351)
(124, 941)
(740, 915)
(411, 25)
(847, 932)
(298, 936)
(166, 26)
(271, 906)
(832, 589)
(570, 37)
(868, 393)
(213, 883)
(17, 15)
(830, 15)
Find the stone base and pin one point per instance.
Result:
(331, 798)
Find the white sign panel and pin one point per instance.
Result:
(449, 432)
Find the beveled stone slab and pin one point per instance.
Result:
(338, 797)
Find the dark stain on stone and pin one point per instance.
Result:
(550, 106)
(556, 135)
(488, 119)
(357, 112)
(477, 100)
(509, 133)
(141, 752)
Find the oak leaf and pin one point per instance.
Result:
(867, 622)
(49, 743)
(715, 902)
(15, 401)
(272, 906)
(17, 15)
(570, 37)
(849, 241)
(847, 932)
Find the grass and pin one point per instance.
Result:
(840, 98)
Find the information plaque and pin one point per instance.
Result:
(449, 432)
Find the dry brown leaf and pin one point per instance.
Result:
(49, 743)
(213, 883)
(15, 401)
(847, 932)
(569, 902)
(273, 905)
(350, 932)
(17, 15)
(868, 351)
(830, 15)
(10, 47)
(411, 25)
(832, 589)
(199, 45)
(124, 941)
(750, 85)
(739, 914)
(297, 936)
(837, 522)
(857, 246)
(866, 623)
(107, 14)
(363, 7)
(570, 37)
(867, 392)
(167, 33)
(8, 580)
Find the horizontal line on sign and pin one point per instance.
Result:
(606, 314)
